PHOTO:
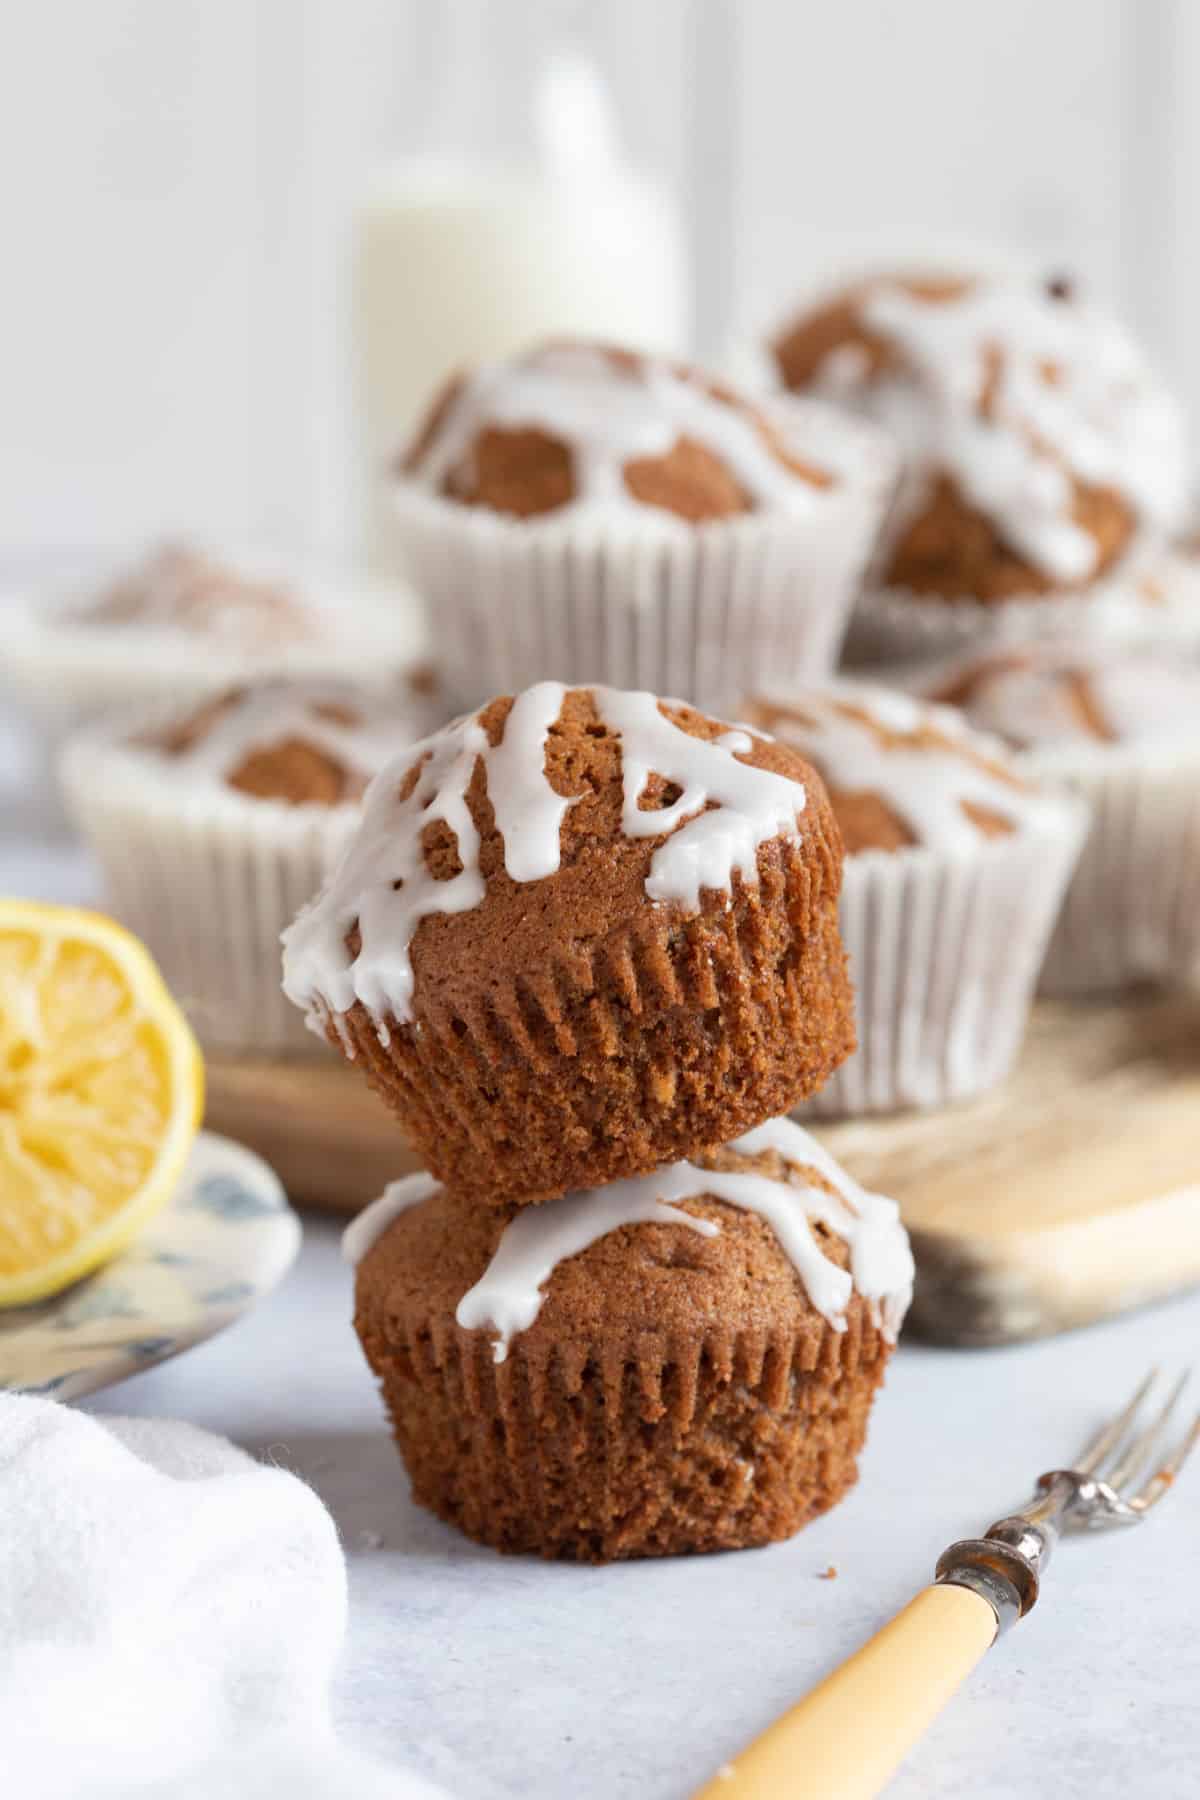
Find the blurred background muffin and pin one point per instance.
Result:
(182, 620)
(1045, 462)
(1122, 730)
(213, 823)
(956, 864)
(590, 513)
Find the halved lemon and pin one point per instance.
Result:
(101, 1092)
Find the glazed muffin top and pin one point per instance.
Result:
(574, 425)
(302, 743)
(187, 621)
(543, 827)
(177, 587)
(901, 771)
(1038, 440)
(741, 1239)
(1040, 696)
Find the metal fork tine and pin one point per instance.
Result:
(1139, 1449)
(1163, 1477)
(1109, 1436)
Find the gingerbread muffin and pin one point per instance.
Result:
(683, 1361)
(181, 588)
(588, 513)
(1121, 730)
(1044, 461)
(214, 822)
(956, 864)
(578, 933)
(618, 425)
(183, 622)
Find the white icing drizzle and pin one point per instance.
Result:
(726, 811)
(1071, 395)
(370, 1224)
(611, 415)
(508, 1296)
(262, 717)
(1143, 700)
(383, 881)
(881, 1261)
(752, 805)
(528, 812)
(844, 367)
(1025, 697)
(926, 786)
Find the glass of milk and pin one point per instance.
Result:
(523, 219)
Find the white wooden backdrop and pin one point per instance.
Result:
(177, 179)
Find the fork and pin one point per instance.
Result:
(846, 1739)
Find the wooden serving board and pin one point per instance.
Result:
(1070, 1193)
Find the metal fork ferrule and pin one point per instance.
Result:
(997, 1590)
(999, 1571)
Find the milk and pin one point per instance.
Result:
(460, 261)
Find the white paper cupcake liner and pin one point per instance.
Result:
(208, 878)
(637, 598)
(944, 955)
(1132, 911)
(1152, 599)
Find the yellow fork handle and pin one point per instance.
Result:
(846, 1739)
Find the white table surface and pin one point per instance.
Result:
(506, 1677)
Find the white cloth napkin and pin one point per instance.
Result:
(170, 1614)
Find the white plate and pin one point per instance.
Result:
(225, 1238)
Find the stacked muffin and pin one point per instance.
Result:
(585, 944)
(1045, 464)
